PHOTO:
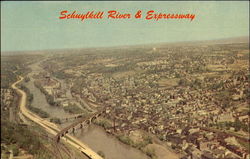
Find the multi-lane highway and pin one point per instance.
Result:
(51, 127)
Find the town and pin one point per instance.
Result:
(125, 80)
(194, 99)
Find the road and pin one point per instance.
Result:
(51, 127)
(11, 154)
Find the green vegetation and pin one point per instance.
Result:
(103, 123)
(240, 125)
(20, 137)
(61, 75)
(7, 78)
(246, 145)
(55, 120)
(139, 145)
(38, 111)
(101, 154)
(74, 109)
(13, 135)
(125, 140)
(237, 125)
(194, 83)
(146, 140)
(49, 98)
(11, 66)
(26, 79)
(150, 152)
(15, 149)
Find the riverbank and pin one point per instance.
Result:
(50, 127)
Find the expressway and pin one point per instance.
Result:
(51, 127)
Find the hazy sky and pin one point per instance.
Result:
(36, 25)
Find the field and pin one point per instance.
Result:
(239, 64)
(124, 74)
(168, 82)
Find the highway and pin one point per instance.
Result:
(51, 127)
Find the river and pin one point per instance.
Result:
(39, 99)
(95, 137)
(99, 140)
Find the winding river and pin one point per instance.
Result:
(95, 137)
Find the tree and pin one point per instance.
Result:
(237, 125)
(15, 150)
(101, 154)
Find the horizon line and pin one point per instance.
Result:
(133, 45)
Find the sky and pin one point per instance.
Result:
(36, 25)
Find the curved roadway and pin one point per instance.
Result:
(51, 127)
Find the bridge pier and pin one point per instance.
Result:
(88, 122)
(58, 138)
(92, 119)
(75, 126)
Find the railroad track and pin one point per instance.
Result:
(51, 127)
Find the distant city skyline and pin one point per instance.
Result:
(27, 26)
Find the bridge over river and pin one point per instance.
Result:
(79, 124)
